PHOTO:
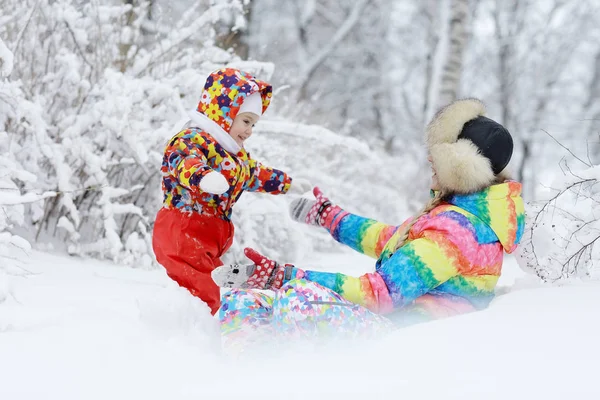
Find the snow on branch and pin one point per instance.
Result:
(6, 60)
(85, 121)
(176, 39)
(14, 198)
(562, 233)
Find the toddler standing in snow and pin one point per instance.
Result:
(205, 170)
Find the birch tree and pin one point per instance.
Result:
(454, 26)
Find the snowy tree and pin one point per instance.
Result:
(90, 92)
(450, 45)
(535, 78)
(12, 212)
(329, 53)
(88, 107)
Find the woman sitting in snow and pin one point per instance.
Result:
(444, 261)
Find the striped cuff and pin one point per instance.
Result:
(334, 216)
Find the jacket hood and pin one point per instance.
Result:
(225, 91)
(500, 207)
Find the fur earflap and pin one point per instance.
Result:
(460, 167)
(447, 123)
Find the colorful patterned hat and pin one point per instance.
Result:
(225, 91)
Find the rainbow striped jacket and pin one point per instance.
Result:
(449, 265)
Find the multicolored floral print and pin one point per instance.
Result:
(299, 310)
(193, 153)
(450, 263)
(225, 91)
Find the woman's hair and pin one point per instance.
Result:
(435, 201)
(431, 204)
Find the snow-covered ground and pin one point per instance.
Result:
(84, 329)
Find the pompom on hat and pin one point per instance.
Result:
(467, 149)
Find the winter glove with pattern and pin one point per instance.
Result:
(320, 212)
(263, 273)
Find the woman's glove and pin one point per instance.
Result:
(312, 212)
(263, 273)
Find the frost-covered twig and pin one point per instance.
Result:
(22, 31)
(11, 199)
(561, 234)
(566, 148)
(77, 45)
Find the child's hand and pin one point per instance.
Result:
(262, 274)
(300, 186)
(312, 212)
(214, 183)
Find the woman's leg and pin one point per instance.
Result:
(305, 309)
(245, 317)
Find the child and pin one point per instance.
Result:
(205, 170)
(444, 261)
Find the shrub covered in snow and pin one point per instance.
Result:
(89, 94)
(89, 97)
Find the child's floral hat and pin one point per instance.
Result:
(226, 90)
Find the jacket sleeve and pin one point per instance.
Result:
(415, 269)
(364, 235)
(267, 180)
(186, 162)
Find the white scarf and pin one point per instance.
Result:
(196, 119)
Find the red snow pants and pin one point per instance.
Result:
(189, 247)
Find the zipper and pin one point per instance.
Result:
(235, 160)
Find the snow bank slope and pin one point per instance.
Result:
(74, 329)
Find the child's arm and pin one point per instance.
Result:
(268, 180)
(362, 234)
(187, 163)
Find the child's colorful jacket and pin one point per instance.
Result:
(193, 153)
(450, 263)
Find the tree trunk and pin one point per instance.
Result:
(592, 110)
(429, 11)
(453, 60)
(125, 45)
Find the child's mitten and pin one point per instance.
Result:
(214, 183)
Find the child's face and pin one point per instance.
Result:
(242, 127)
